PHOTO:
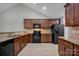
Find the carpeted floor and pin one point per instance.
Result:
(39, 49)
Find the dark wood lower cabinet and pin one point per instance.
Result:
(61, 49)
(23, 41)
(68, 51)
(30, 36)
(66, 48)
(46, 38)
(76, 50)
(19, 43)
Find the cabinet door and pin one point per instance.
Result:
(66, 17)
(69, 14)
(61, 48)
(76, 10)
(76, 14)
(46, 38)
(43, 38)
(28, 24)
(44, 23)
(22, 41)
(68, 51)
(17, 46)
(29, 38)
(76, 50)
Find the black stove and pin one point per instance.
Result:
(37, 37)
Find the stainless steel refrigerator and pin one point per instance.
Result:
(57, 30)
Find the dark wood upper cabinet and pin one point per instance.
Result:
(76, 10)
(76, 13)
(28, 24)
(72, 14)
(45, 23)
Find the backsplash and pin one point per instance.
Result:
(72, 32)
(8, 34)
(28, 31)
(75, 32)
(4, 34)
(67, 32)
(43, 31)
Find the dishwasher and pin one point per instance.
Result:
(6, 48)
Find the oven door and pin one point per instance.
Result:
(37, 37)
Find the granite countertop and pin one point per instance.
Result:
(46, 33)
(9, 37)
(70, 39)
(5, 38)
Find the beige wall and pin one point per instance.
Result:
(11, 20)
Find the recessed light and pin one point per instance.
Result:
(44, 7)
(34, 3)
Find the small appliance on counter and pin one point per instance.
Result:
(57, 30)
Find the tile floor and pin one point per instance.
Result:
(39, 49)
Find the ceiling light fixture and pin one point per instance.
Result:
(44, 7)
(34, 3)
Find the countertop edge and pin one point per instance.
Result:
(68, 39)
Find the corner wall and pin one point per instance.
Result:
(11, 20)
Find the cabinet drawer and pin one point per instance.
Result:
(69, 44)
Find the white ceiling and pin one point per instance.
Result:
(53, 10)
(4, 6)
